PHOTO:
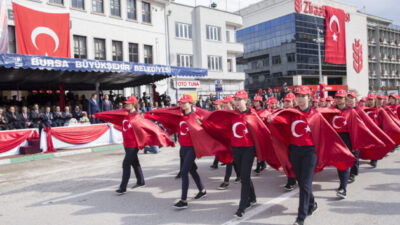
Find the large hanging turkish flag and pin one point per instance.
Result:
(42, 33)
(335, 36)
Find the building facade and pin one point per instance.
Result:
(204, 37)
(383, 55)
(279, 46)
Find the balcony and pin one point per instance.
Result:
(235, 48)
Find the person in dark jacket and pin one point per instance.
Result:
(13, 119)
(47, 118)
(93, 107)
(107, 104)
(66, 116)
(57, 117)
(25, 118)
(3, 120)
(77, 113)
(36, 115)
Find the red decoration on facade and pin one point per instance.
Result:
(299, 6)
(357, 56)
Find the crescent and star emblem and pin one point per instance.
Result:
(334, 122)
(185, 127)
(234, 128)
(44, 30)
(331, 21)
(293, 128)
(123, 125)
(369, 112)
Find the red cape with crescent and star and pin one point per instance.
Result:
(388, 125)
(378, 153)
(330, 149)
(362, 138)
(219, 124)
(204, 144)
(146, 132)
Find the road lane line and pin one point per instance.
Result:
(261, 208)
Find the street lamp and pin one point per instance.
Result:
(319, 40)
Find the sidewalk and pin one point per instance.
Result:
(25, 158)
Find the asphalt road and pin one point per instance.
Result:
(79, 189)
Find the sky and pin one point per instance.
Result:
(388, 9)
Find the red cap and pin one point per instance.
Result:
(316, 100)
(241, 94)
(272, 100)
(258, 98)
(352, 94)
(131, 100)
(363, 99)
(329, 98)
(372, 96)
(186, 98)
(322, 100)
(303, 90)
(218, 102)
(340, 93)
(386, 97)
(394, 96)
(228, 98)
(381, 96)
(289, 97)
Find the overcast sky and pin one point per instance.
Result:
(389, 9)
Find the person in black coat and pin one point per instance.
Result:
(47, 119)
(13, 119)
(107, 104)
(25, 118)
(3, 120)
(36, 116)
(66, 116)
(77, 113)
(57, 118)
(93, 107)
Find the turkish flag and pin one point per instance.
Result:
(42, 33)
(335, 36)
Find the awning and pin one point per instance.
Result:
(27, 72)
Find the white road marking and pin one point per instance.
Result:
(261, 208)
(102, 189)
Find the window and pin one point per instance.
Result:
(133, 52)
(79, 4)
(99, 49)
(183, 30)
(276, 60)
(148, 54)
(12, 43)
(60, 2)
(98, 6)
(131, 9)
(117, 51)
(146, 13)
(185, 60)
(80, 47)
(291, 57)
(265, 61)
(228, 36)
(215, 63)
(115, 7)
(213, 33)
(230, 65)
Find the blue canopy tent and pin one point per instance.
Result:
(27, 72)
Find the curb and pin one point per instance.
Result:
(57, 154)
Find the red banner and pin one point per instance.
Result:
(75, 135)
(335, 36)
(12, 139)
(42, 33)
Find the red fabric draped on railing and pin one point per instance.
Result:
(74, 135)
(12, 139)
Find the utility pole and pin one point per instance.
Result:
(319, 41)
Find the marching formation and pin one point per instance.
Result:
(299, 136)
